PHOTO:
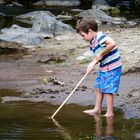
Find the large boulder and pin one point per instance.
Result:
(96, 13)
(21, 35)
(44, 25)
(100, 15)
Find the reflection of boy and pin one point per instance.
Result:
(109, 128)
(107, 82)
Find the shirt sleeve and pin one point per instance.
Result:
(102, 38)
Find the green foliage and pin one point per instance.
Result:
(113, 11)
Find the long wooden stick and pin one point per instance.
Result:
(69, 96)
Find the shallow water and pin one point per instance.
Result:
(28, 120)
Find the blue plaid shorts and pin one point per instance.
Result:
(108, 82)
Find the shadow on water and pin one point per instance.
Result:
(28, 120)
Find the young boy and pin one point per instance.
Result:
(106, 52)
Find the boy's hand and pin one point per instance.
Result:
(91, 65)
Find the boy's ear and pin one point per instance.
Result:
(89, 30)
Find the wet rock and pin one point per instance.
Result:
(52, 58)
(56, 82)
(81, 88)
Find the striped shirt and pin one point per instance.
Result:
(111, 60)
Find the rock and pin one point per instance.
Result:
(137, 20)
(2, 2)
(131, 24)
(44, 26)
(100, 4)
(88, 54)
(52, 58)
(101, 16)
(76, 10)
(11, 45)
(44, 20)
(21, 35)
(80, 58)
(119, 20)
(63, 37)
(59, 2)
(29, 17)
(96, 13)
(64, 17)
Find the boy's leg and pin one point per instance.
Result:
(98, 103)
(110, 102)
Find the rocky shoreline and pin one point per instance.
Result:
(48, 74)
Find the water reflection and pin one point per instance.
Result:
(62, 130)
(108, 130)
(102, 132)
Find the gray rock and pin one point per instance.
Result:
(137, 20)
(11, 45)
(29, 17)
(64, 17)
(43, 20)
(45, 25)
(59, 2)
(102, 16)
(100, 2)
(96, 13)
(131, 24)
(21, 35)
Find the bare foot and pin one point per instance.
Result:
(108, 115)
(92, 111)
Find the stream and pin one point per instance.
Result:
(31, 121)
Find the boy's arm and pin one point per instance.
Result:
(110, 44)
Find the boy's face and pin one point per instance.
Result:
(87, 36)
